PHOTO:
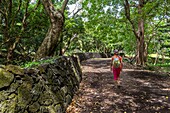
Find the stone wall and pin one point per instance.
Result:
(48, 88)
(88, 55)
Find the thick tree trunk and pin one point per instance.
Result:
(140, 53)
(140, 43)
(48, 45)
(139, 34)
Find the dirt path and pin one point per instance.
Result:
(141, 91)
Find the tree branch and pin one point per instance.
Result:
(64, 6)
(156, 5)
(2, 12)
(27, 14)
(77, 12)
(127, 14)
(10, 7)
(35, 8)
(19, 7)
(49, 7)
(69, 42)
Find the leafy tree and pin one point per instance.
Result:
(73, 29)
(135, 26)
(107, 22)
(57, 19)
(139, 13)
(19, 24)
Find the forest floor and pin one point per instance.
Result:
(141, 91)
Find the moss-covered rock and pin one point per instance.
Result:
(15, 69)
(44, 109)
(48, 88)
(68, 100)
(4, 104)
(37, 89)
(24, 95)
(64, 90)
(42, 68)
(45, 98)
(6, 78)
(34, 107)
(11, 96)
(28, 81)
(8, 106)
(13, 87)
(51, 109)
(58, 108)
(12, 104)
(3, 96)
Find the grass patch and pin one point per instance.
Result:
(159, 56)
(160, 67)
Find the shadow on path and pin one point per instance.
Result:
(141, 91)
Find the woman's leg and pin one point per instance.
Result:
(116, 73)
(118, 79)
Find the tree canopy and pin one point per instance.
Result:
(34, 30)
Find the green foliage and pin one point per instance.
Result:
(101, 26)
(24, 21)
(160, 67)
(105, 28)
(163, 65)
(37, 63)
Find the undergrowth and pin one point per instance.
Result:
(37, 63)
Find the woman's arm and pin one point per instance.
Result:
(111, 64)
(121, 63)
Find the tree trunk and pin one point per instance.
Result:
(157, 57)
(140, 43)
(48, 45)
(146, 52)
(139, 34)
(11, 49)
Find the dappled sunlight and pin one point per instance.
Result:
(166, 89)
(136, 70)
(141, 90)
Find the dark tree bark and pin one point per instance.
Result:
(49, 44)
(138, 30)
(141, 41)
(139, 33)
(13, 44)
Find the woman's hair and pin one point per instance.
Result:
(116, 51)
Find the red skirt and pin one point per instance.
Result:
(116, 73)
